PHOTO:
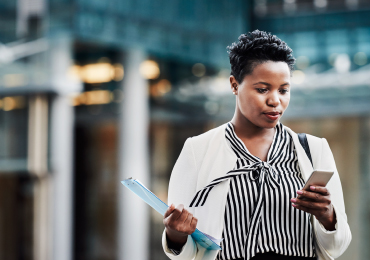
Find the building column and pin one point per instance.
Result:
(133, 213)
(38, 134)
(60, 57)
(62, 119)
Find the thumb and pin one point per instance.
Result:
(169, 210)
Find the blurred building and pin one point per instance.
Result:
(93, 92)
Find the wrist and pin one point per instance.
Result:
(329, 222)
(175, 241)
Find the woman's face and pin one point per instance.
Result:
(263, 95)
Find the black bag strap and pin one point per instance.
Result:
(303, 140)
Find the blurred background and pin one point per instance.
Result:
(93, 92)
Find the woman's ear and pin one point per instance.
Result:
(234, 85)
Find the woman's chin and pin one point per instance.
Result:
(262, 121)
(269, 123)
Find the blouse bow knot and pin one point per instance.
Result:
(263, 170)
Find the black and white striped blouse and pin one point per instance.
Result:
(259, 217)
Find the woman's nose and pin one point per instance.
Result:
(273, 100)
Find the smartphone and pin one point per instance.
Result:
(319, 178)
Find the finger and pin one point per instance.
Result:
(308, 210)
(184, 215)
(304, 198)
(188, 223)
(177, 212)
(189, 218)
(308, 204)
(310, 195)
(169, 210)
(320, 189)
(193, 224)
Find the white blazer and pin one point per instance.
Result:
(208, 156)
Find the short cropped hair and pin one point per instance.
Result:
(255, 48)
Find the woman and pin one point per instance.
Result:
(240, 181)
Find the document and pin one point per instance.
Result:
(150, 198)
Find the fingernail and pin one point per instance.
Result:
(300, 192)
(312, 187)
(294, 205)
(293, 200)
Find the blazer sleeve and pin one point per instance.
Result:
(182, 187)
(333, 243)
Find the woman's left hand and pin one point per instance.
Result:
(317, 202)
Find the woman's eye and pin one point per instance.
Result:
(261, 90)
(283, 91)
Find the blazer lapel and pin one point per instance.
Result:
(303, 161)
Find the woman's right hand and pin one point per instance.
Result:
(179, 224)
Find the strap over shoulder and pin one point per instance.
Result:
(303, 140)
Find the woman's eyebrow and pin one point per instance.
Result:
(263, 83)
(268, 84)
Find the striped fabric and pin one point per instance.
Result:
(259, 217)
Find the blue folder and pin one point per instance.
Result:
(150, 198)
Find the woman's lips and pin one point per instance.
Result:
(272, 116)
